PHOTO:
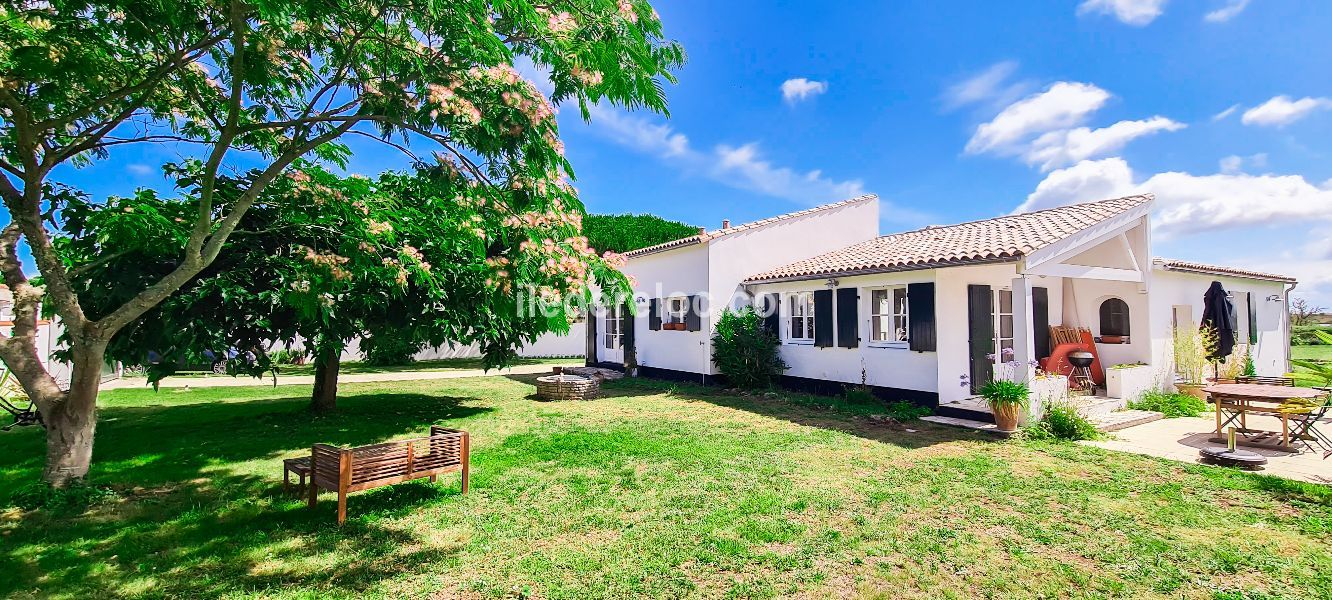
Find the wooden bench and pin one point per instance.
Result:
(347, 470)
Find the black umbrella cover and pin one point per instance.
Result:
(1219, 314)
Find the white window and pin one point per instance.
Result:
(888, 315)
(800, 317)
(611, 338)
(1003, 326)
(675, 309)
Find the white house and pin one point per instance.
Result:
(913, 313)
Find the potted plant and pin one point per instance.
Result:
(1190, 349)
(1128, 381)
(1007, 400)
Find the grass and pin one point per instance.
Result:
(1302, 376)
(442, 364)
(653, 490)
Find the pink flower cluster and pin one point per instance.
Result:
(332, 262)
(627, 11)
(614, 260)
(558, 23)
(449, 102)
(588, 78)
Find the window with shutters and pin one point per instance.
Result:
(1114, 318)
(614, 320)
(674, 310)
(800, 317)
(889, 323)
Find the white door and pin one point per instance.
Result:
(611, 343)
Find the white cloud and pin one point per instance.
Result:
(1064, 104)
(1235, 164)
(1046, 128)
(740, 167)
(1282, 110)
(1061, 148)
(1187, 203)
(1225, 113)
(1131, 12)
(798, 89)
(139, 169)
(993, 85)
(1227, 12)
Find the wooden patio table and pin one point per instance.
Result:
(1243, 398)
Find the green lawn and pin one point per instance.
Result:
(442, 364)
(653, 490)
(1302, 375)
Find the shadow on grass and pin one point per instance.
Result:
(202, 509)
(823, 412)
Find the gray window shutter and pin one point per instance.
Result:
(848, 312)
(590, 322)
(772, 308)
(693, 320)
(1040, 320)
(627, 320)
(980, 326)
(1253, 321)
(920, 316)
(823, 318)
(654, 315)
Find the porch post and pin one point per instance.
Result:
(1024, 339)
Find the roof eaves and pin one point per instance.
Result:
(706, 236)
(1205, 269)
(901, 268)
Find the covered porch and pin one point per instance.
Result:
(1086, 292)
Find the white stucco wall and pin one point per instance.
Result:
(1082, 308)
(1171, 288)
(736, 257)
(885, 365)
(677, 272)
(950, 293)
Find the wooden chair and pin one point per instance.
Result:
(347, 470)
(1283, 381)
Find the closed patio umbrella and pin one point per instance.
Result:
(1219, 315)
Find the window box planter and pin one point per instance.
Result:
(1129, 382)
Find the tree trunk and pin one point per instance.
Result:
(71, 422)
(325, 397)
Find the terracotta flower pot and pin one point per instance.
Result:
(1006, 416)
(1192, 389)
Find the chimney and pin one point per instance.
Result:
(702, 230)
(726, 223)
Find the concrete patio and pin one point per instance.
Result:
(1181, 439)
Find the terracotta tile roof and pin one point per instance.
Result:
(1000, 239)
(1193, 267)
(711, 235)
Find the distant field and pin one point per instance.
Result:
(1302, 375)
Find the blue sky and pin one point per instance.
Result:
(964, 110)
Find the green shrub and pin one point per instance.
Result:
(285, 356)
(746, 353)
(1171, 405)
(1062, 422)
(75, 497)
(861, 395)
(907, 411)
(390, 348)
(1307, 335)
(622, 233)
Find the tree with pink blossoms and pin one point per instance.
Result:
(253, 88)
